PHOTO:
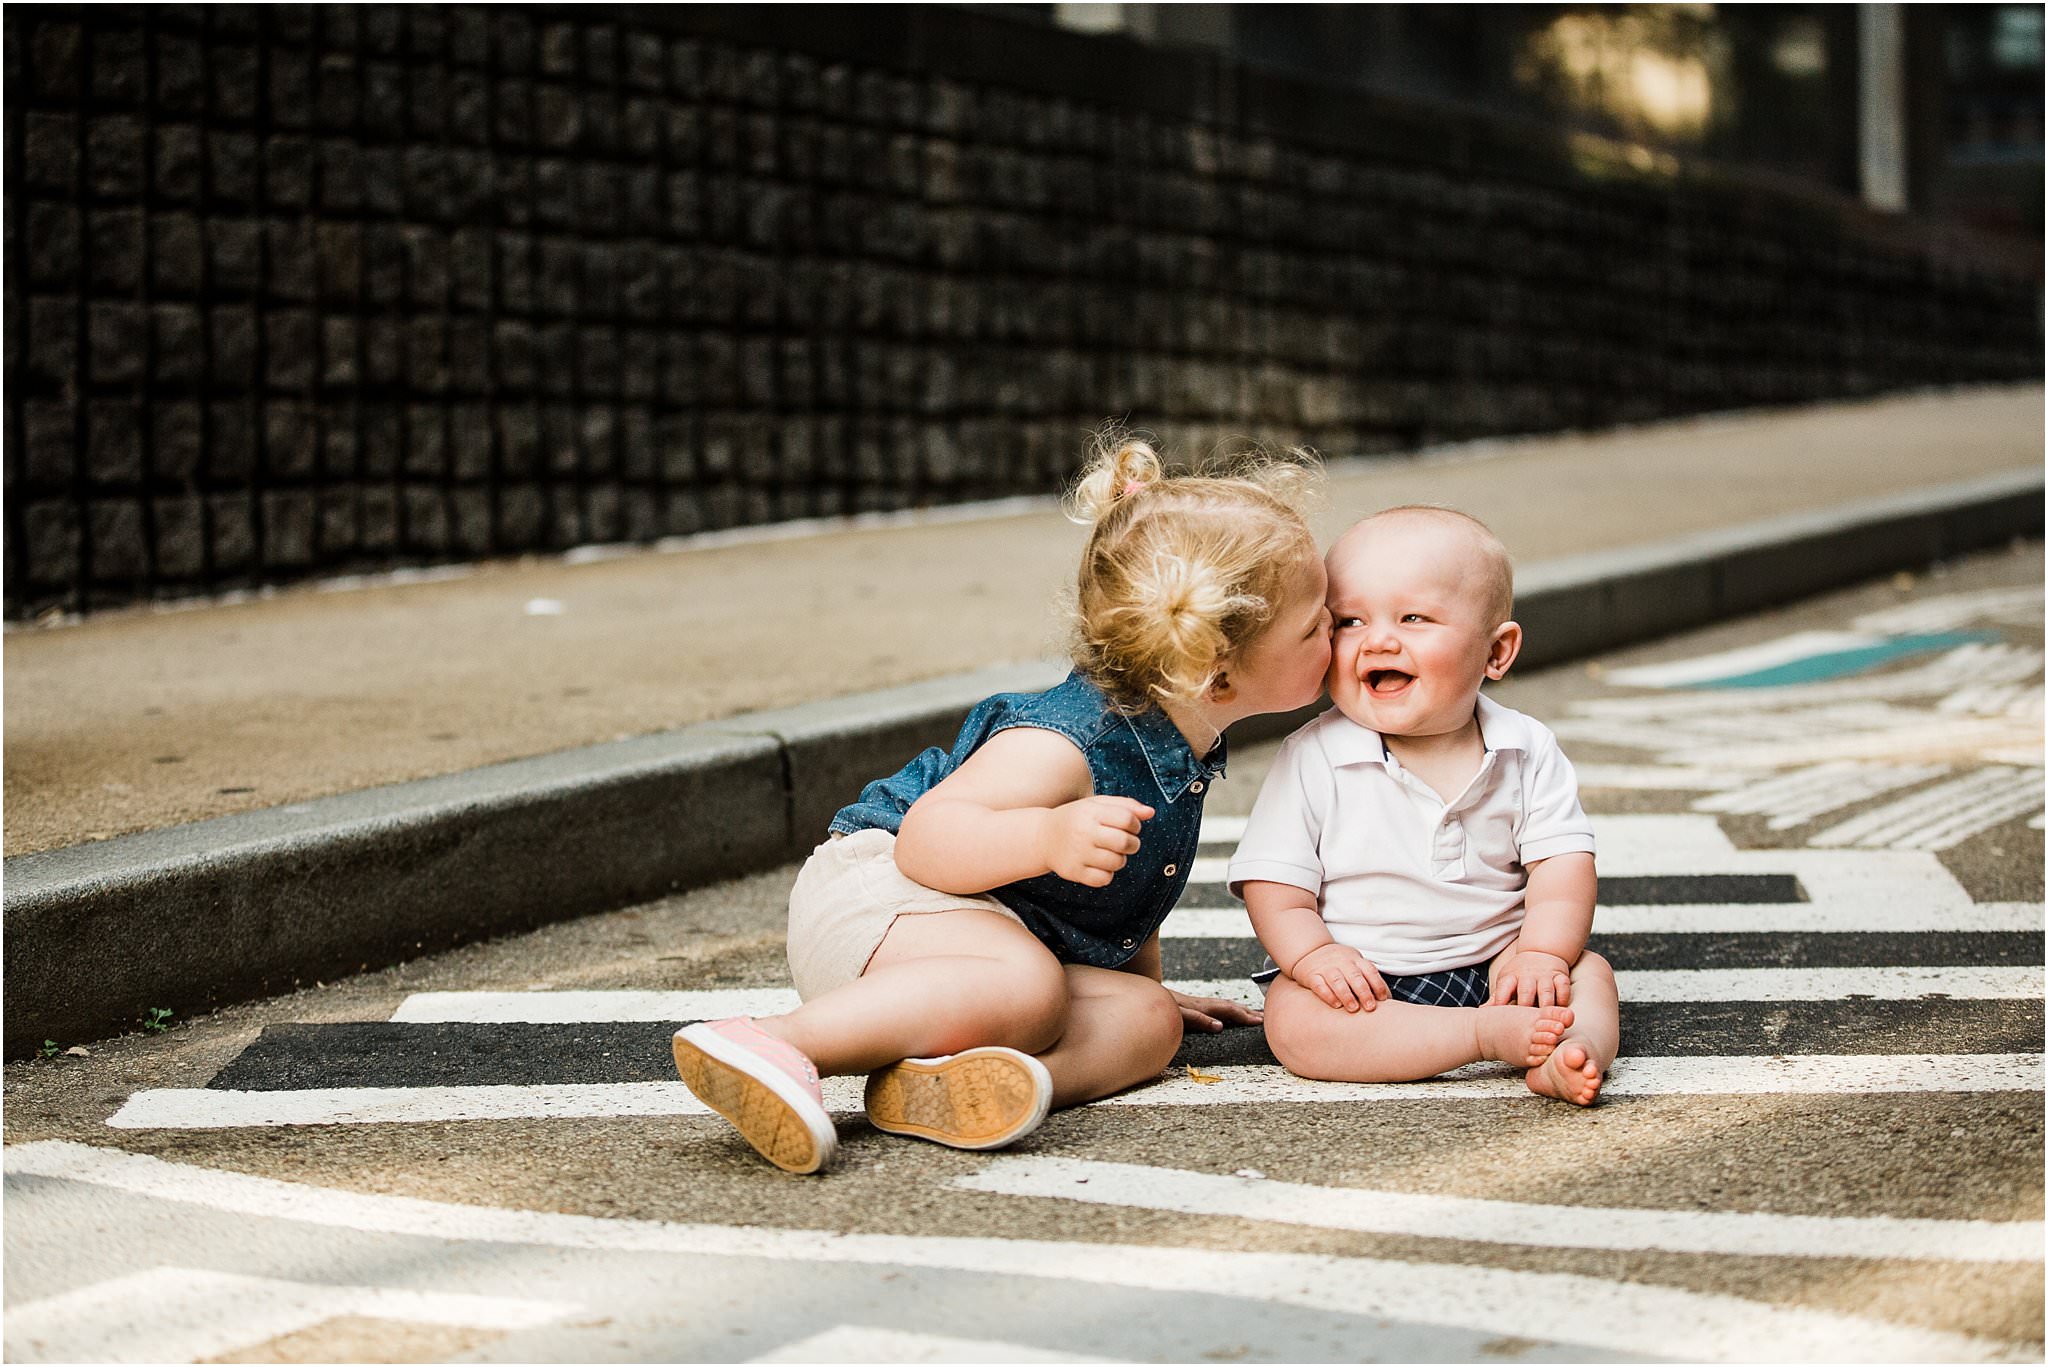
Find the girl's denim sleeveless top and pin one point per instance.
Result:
(1143, 757)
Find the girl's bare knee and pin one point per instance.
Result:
(1156, 1029)
(1593, 964)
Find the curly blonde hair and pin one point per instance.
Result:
(1183, 569)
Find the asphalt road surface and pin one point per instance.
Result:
(1821, 885)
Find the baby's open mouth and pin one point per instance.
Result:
(1382, 682)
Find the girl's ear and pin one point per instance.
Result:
(1501, 653)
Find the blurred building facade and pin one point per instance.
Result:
(296, 290)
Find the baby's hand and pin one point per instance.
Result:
(1341, 976)
(1087, 841)
(1532, 978)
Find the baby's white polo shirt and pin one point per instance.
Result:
(1415, 884)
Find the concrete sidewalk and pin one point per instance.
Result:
(765, 675)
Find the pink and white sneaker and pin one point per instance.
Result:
(766, 1088)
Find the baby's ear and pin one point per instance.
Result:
(1501, 653)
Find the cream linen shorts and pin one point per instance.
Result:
(846, 897)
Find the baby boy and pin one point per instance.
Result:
(1418, 864)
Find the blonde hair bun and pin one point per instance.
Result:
(1183, 569)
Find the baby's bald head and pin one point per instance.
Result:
(1487, 572)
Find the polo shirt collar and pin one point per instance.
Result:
(1500, 728)
(1174, 763)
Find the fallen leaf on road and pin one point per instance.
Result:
(1206, 1079)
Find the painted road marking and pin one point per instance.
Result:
(1798, 797)
(866, 1343)
(205, 1108)
(1943, 816)
(178, 1314)
(1660, 777)
(1731, 1233)
(1705, 918)
(1968, 665)
(1625, 1317)
(2006, 607)
(1984, 982)
(1728, 664)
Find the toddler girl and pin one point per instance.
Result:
(979, 932)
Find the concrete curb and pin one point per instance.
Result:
(193, 917)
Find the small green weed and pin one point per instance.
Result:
(50, 1048)
(157, 1019)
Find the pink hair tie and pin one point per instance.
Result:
(1132, 487)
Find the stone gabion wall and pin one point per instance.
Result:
(302, 290)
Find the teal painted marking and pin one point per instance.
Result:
(1838, 664)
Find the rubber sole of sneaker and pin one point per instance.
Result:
(781, 1129)
(977, 1099)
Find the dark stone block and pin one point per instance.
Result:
(179, 343)
(292, 260)
(288, 172)
(57, 60)
(601, 136)
(558, 439)
(53, 341)
(597, 438)
(472, 185)
(230, 442)
(384, 255)
(338, 442)
(426, 266)
(513, 347)
(234, 346)
(426, 354)
(519, 441)
(113, 441)
(341, 177)
(291, 349)
(177, 263)
(522, 514)
(115, 249)
(383, 440)
(513, 123)
(50, 154)
(426, 30)
(425, 520)
(114, 156)
(338, 262)
(553, 205)
(557, 117)
(291, 88)
(470, 257)
(180, 163)
(383, 351)
(292, 23)
(384, 100)
(426, 183)
(51, 433)
(177, 441)
(120, 546)
(120, 68)
(603, 521)
(597, 361)
(336, 81)
(232, 160)
(429, 101)
(180, 537)
(469, 355)
(469, 35)
(470, 522)
(471, 425)
(383, 181)
(426, 441)
(378, 519)
(288, 528)
(338, 531)
(640, 365)
(234, 82)
(55, 539)
(53, 245)
(180, 74)
(338, 353)
(384, 28)
(232, 518)
(117, 341)
(290, 440)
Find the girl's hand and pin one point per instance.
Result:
(1087, 841)
(1341, 976)
(1532, 978)
(1213, 1013)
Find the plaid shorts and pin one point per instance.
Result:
(1447, 987)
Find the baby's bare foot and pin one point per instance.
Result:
(1569, 1074)
(1521, 1035)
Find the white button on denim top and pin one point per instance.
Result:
(1414, 883)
